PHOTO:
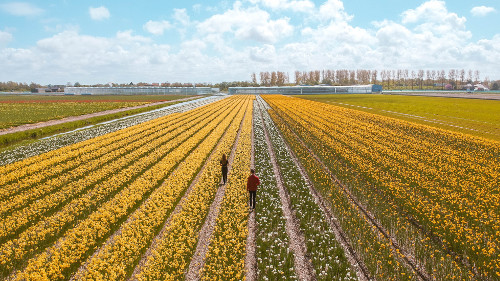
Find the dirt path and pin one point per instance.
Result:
(407, 259)
(26, 127)
(250, 260)
(198, 259)
(356, 262)
(302, 264)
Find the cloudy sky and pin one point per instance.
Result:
(60, 41)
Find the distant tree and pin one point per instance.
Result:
(412, 78)
(281, 78)
(421, 78)
(274, 79)
(77, 84)
(442, 78)
(462, 77)
(469, 76)
(254, 79)
(476, 76)
(298, 77)
(451, 77)
(495, 86)
(374, 77)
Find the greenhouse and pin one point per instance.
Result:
(307, 90)
(137, 90)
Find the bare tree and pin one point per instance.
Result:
(469, 76)
(476, 76)
(413, 75)
(442, 78)
(462, 77)
(451, 77)
(421, 78)
(374, 77)
(254, 79)
(298, 78)
(274, 78)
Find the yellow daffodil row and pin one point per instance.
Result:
(125, 249)
(435, 261)
(94, 159)
(372, 248)
(226, 253)
(33, 212)
(171, 255)
(47, 164)
(441, 187)
(55, 262)
(327, 256)
(31, 228)
(447, 182)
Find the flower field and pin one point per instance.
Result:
(16, 110)
(435, 191)
(344, 195)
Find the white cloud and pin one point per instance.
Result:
(246, 38)
(296, 6)
(266, 53)
(197, 7)
(181, 16)
(333, 10)
(482, 11)
(157, 27)
(21, 9)
(250, 23)
(99, 13)
(5, 38)
(123, 56)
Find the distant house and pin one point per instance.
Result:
(480, 87)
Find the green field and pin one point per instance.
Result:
(17, 110)
(470, 116)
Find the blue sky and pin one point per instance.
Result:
(62, 41)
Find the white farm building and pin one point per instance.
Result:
(307, 90)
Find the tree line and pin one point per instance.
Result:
(390, 79)
(17, 87)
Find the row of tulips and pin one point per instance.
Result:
(42, 223)
(225, 258)
(61, 259)
(172, 254)
(375, 251)
(327, 256)
(60, 141)
(96, 185)
(58, 176)
(124, 250)
(54, 162)
(436, 262)
(273, 255)
(445, 182)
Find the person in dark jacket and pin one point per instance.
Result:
(223, 163)
(252, 183)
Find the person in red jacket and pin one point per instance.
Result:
(252, 183)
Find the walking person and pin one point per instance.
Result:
(252, 183)
(223, 163)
